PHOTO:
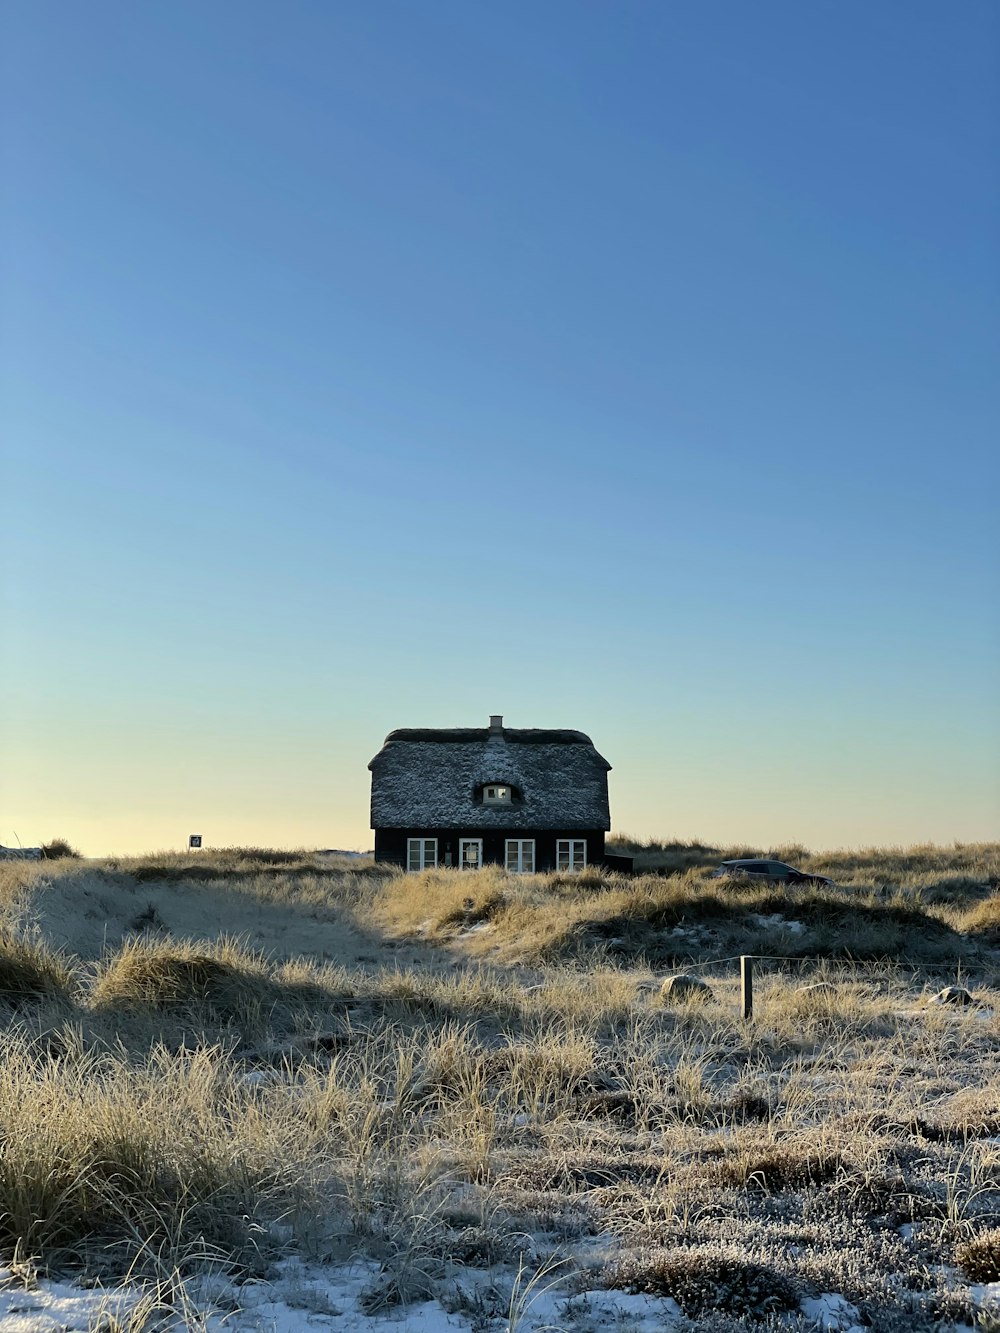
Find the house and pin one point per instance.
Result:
(526, 799)
(20, 853)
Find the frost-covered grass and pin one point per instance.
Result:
(926, 916)
(463, 1096)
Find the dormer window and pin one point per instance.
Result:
(494, 794)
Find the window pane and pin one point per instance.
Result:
(520, 855)
(571, 853)
(469, 854)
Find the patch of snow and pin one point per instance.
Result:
(55, 1307)
(985, 1293)
(777, 922)
(593, 1310)
(305, 1297)
(255, 1078)
(833, 1313)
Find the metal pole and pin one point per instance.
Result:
(746, 984)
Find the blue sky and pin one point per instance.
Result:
(626, 366)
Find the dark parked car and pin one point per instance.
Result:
(767, 872)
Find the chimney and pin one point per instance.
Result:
(496, 724)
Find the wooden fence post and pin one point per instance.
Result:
(746, 984)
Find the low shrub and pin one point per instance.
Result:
(979, 1259)
(59, 850)
(781, 1167)
(701, 1281)
(568, 1176)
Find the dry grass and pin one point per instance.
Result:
(928, 869)
(979, 1259)
(982, 920)
(102, 1159)
(30, 972)
(543, 918)
(480, 1062)
(182, 975)
(780, 1167)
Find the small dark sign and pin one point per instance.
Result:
(194, 840)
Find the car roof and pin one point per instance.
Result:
(759, 861)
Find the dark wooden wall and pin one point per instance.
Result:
(390, 844)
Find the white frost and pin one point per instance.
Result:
(303, 1298)
(833, 1313)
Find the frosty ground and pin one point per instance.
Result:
(268, 1090)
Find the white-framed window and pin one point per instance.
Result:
(470, 853)
(421, 853)
(520, 856)
(571, 853)
(497, 794)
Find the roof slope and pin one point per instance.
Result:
(427, 778)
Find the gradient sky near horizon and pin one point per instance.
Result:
(622, 366)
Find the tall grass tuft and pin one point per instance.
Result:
(104, 1161)
(223, 977)
(29, 972)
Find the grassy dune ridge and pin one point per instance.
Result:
(227, 1056)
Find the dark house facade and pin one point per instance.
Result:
(526, 799)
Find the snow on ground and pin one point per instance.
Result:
(777, 922)
(51, 1307)
(833, 1313)
(986, 1294)
(304, 1297)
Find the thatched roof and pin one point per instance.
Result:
(433, 778)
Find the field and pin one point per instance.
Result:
(266, 1089)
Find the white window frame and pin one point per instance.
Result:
(490, 796)
(575, 853)
(462, 844)
(524, 851)
(421, 854)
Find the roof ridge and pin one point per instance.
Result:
(467, 735)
